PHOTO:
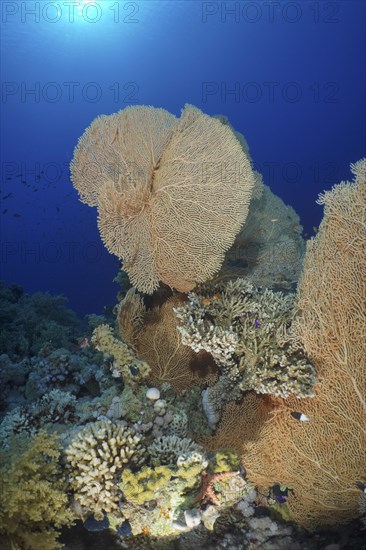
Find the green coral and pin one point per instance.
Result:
(34, 503)
(125, 363)
(225, 461)
(173, 488)
(145, 485)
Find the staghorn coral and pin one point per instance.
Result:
(125, 363)
(319, 460)
(34, 503)
(159, 344)
(248, 332)
(171, 193)
(96, 457)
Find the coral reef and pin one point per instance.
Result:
(27, 322)
(321, 459)
(248, 332)
(191, 421)
(150, 164)
(34, 503)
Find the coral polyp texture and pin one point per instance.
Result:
(96, 457)
(319, 460)
(171, 193)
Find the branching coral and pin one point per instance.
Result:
(248, 332)
(34, 503)
(96, 457)
(171, 193)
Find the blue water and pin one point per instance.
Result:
(289, 75)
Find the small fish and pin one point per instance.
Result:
(361, 486)
(23, 181)
(257, 323)
(125, 529)
(275, 219)
(8, 178)
(84, 344)
(134, 371)
(16, 215)
(57, 208)
(315, 229)
(8, 196)
(5, 211)
(93, 525)
(300, 416)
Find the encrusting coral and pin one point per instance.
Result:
(96, 458)
(319, 460)
(171, 193)
(34, 503)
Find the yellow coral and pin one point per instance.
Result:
(125, 363)
(34, 503)
(145, 485)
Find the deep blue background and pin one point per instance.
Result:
(298, 69)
